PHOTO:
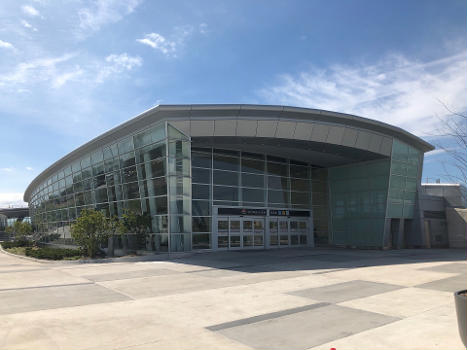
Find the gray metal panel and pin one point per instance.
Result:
(319, 133)
(202, 128)
(221, 111)
(285, 130)
(349, 138)
(266, 128)
(303, 131)
(375, 143)
(182, 125)
(363, 140)
(225, 127)
(246, 127)
(335, 135)
(261, 111)
(386, 146)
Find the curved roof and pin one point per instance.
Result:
(269, 116)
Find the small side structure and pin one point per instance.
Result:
(444, 214)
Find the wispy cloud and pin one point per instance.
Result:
(37, 70)
(169, 47)
(26, 24)
(28, 168)
(102, 12)
(57, 71)
(6, 170)
(158, 42)
(61, 78)
(396, 90)
(30, 11)
(437, 152)
(115, 64)
(6, 45)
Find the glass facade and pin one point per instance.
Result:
(406, 162)
(358, 195)
(128, 174)
(224, 178)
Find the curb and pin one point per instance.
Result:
(140, 258)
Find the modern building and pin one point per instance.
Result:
(243, 176)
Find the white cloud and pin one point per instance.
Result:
(26, 24)
(30, 11)
(6, 45)
(60, 79)
(169, 47)
(436, 152)
(58, 71)
(6, 170)
(42, 69)
(158, 42)
(115, 64)
(28, 168)
(396, 90)
(103, 12)
(14, 199)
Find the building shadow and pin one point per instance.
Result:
(296, 259)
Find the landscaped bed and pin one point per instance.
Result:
(28, 249)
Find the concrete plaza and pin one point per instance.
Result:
(275, 299)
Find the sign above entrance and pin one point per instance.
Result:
(241, 211)
(289, 213)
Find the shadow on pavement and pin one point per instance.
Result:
(295, 259)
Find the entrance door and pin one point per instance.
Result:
(223, 233)
(283, 232)
(235, 233)
(294, 234)
(247, 233)
(273, 232)
(252, 233)
(258, 229)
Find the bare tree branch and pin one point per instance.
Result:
(452, 139)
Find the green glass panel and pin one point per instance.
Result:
(395, 209)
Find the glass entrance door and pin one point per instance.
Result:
(283, 232)
(247, 233)
(223, 233)
(235, 233)
(252, 233)
(273, 232)
(258, 230)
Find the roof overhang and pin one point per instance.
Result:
(253, 121)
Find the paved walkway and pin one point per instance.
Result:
(281, 299)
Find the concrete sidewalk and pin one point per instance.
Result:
(275, 299)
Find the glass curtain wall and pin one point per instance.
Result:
(358, 195)
(232, 178)
(127, 175)
(405, 171)
(179, 164)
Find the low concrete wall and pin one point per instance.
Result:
(457, 227)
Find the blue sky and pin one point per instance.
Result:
(71, 70)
